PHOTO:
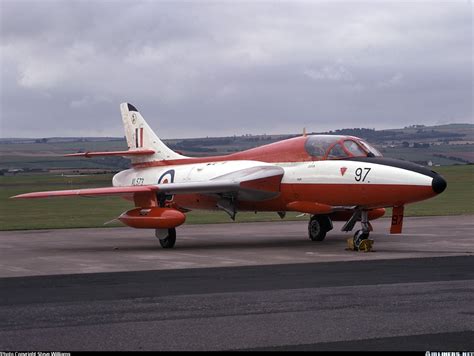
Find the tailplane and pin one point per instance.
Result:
(141, 137)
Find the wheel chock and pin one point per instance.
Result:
(365, 245)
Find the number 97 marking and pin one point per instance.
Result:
(361, 174)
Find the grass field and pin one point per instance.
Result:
(34, 154)
(93, 212)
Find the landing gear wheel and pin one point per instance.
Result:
(361, 241)
(169, 240)
(317, 228)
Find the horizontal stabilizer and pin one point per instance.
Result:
(112, 153)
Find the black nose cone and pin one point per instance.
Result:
(438, 184)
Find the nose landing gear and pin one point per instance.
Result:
(360, 241)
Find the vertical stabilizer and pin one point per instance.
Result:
(141, 137)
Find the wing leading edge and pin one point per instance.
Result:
(107, 191)
(247, 184)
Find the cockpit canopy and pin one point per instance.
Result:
(338, 147)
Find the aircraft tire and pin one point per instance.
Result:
(317, 228)
(358, 237)
(170, 240)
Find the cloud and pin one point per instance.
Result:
(199, 69)
(331, 72)
(395, 80)
(88, 101)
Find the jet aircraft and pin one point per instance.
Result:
(329, 177)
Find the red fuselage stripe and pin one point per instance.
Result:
(367, 195)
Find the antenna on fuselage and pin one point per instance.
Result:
(304, 131)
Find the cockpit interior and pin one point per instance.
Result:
(322, 147)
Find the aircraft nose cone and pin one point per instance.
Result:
(438, 184)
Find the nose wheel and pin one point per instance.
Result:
(360, 241)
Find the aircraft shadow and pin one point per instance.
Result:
(196, 246)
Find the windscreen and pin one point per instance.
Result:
(354, 149)
(370, 148)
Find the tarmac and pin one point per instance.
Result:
(253, 286)
(47, 252)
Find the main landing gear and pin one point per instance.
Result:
(360, 241)
(167, 237)
(318, 226)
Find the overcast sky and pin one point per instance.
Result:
(222, 68)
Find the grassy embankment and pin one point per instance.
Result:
(93, 212)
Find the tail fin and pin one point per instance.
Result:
(141, 137)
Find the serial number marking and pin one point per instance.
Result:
(138, 181)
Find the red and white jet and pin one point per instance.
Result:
(332, 178)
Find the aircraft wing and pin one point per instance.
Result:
(255, 183)
(249, 184)
(106, 191)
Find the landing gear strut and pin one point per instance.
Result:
(361, 241)
(167, 237)
(362, 234)
(318, 226)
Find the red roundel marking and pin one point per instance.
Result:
(343, 170)
(165, 181)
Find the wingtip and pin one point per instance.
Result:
(24, 196)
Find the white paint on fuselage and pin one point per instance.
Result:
(317, 172)
(329, 172)
(196, 172)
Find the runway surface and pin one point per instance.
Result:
(268, 289)
(46, 252)
(340, 305)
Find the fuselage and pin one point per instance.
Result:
(329, 177)
(337, 171)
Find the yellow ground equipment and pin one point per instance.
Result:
(364, 245)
